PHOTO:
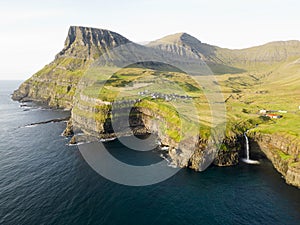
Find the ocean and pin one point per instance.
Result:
(45, 181)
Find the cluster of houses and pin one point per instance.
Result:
(154, 95)
(166, 97)
(272, 113)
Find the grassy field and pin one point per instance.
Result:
(181, 99)
(174, 96)
(275, 89)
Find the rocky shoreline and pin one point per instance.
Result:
(50, 121)
(281, 151)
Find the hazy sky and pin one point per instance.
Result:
(32, 32)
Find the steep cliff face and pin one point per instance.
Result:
(93, 117)
(56, 83)
(90, 43)
(284, 153)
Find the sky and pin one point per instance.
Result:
(32, 32)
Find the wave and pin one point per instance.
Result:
(30, 126)
(76, 144)
(107, 139)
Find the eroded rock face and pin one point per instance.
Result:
(69, 129)
(90, 43)
(187, 153)
(283, 152)
(228, 154)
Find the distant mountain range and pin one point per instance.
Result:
(84, 45)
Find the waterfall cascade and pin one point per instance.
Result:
(247, 159)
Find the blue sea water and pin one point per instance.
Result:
(44, 181)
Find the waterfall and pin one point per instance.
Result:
(247, 159)
(247, 146)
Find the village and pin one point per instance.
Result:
(153, 95)
(273, 114)
(166, 97)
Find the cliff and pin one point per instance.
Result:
(90, 43)
(93, 117)
(284, 153)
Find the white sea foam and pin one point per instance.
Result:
(107, 139)
(29, 126)
(250, 161)
(165, 148)
(79, 143)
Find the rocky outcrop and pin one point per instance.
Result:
(227, 154)
(90, 43)
(49, 121)
(69, 131)
(284, 153)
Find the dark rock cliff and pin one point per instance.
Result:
(283, 151)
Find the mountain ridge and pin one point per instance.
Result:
(270, 52)
(85, 44)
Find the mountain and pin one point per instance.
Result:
(260, 57)
(90, 43)
(55, 84)
(185, 45)
(222, 60)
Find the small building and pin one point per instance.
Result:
(262, 111)
(273, 116)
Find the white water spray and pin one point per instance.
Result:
(247, 159)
